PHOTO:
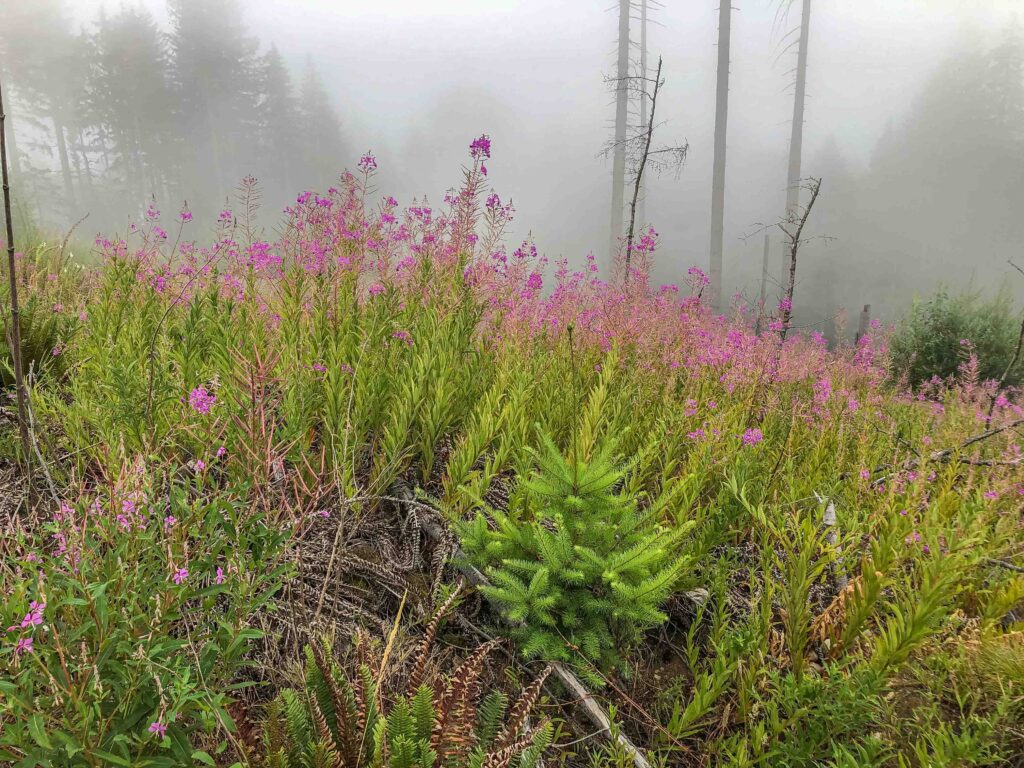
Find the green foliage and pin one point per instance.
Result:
(144, 620)
(333, 720)
(927, 343)
(578, 569)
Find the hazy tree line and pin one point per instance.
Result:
(120, 112)
(941, 197)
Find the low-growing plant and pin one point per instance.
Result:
(128, 622)
(334, 720)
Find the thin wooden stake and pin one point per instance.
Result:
(15, 335)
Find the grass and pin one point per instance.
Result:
(228, 424)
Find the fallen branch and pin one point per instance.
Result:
(946, 454)
(1004, 564)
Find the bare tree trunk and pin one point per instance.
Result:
(764, 285)
(718, 175)
(642, 204)
(796, 139)
(640, 170)
(865, 321)
(15, 336)
(619, 156)
(794, 238)
(65, 165)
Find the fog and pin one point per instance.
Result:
(922, 166)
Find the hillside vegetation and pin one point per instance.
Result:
(341, 498)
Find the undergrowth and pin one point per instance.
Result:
(757, 552)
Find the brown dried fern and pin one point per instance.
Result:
(420, 665)
(523, 706)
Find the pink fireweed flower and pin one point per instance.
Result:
(201, 400)
(33, 618)
(319, 367)
(376, 289)
(786, 304)
(219, 578)
(480, 149)
(991, 495)
(752, 436)
(169, 522)
(221, 452)
(404, 336)
(367, 163)
(24, 645)
(158, 728)
(185, 216)
(200, 465)
(180, 575)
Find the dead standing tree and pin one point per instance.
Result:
(14, 337)
(637, 149)
(792, 227)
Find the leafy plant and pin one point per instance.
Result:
(929, 341)
(129, 625)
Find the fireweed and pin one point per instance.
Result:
(125, 632)
(371, 341)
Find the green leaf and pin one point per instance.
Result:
(202, 757)
(38, 731)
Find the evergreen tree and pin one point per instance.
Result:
(131, 104)
(322, 146)
(577, 567)
(278, 123)
(42, 63)
(214, 72)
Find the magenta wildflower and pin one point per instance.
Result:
(24, 645)
(367, 163)
(169, 522)
(376, 289)
(158, 728)
(219, 579)
(404, 336)
(180, 575)
(200, 465)
(752, 436)
(221, 452)
(991, 495)
(33, 618)
(480, 149)
(201, 400)
(786, 304)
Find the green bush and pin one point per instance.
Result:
(129, 622)
(577, 568)
(928, 342)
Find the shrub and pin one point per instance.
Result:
(929, 342)
(129, 626)
(577, 568)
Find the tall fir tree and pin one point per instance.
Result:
(131, 104)
(214, 69)
(279, 123)
(322, 145)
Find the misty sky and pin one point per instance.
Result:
(414, 81)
